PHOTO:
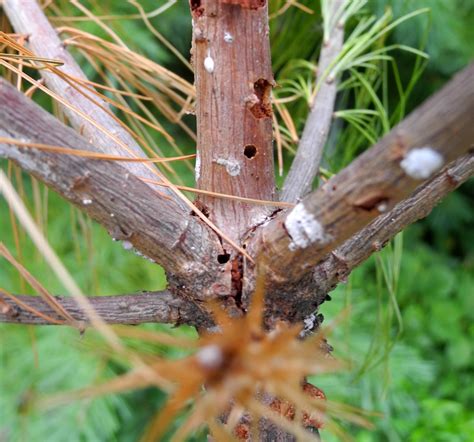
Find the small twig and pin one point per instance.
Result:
(12, 310)
(45, 295)
(305, 165)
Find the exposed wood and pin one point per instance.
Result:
(305, 165)
(27, 17)
(233, 76)
(294, 242)
(162, 307)
(127, 207)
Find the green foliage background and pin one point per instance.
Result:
(408, 336)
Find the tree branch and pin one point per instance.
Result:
(104, 130)
(306, 163)
(373, 183)
(338, 265)
(162, 307)
(295, 300)
(127, 207)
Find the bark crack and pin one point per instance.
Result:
(237, 276)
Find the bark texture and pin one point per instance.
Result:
(292, 303)
(306, 251)
(233, 77)
(185, 246)
(337, 266)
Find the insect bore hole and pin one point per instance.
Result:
(196, 7)
(250, 151)
(223, 258)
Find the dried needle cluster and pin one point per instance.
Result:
(241, 373)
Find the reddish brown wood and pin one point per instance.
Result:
(231, 57)
(250, 4)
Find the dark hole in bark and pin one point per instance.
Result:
(202, 207)
(195, 4)
(263, 108)
(222, 259)
(250, 151)
(196, 7)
